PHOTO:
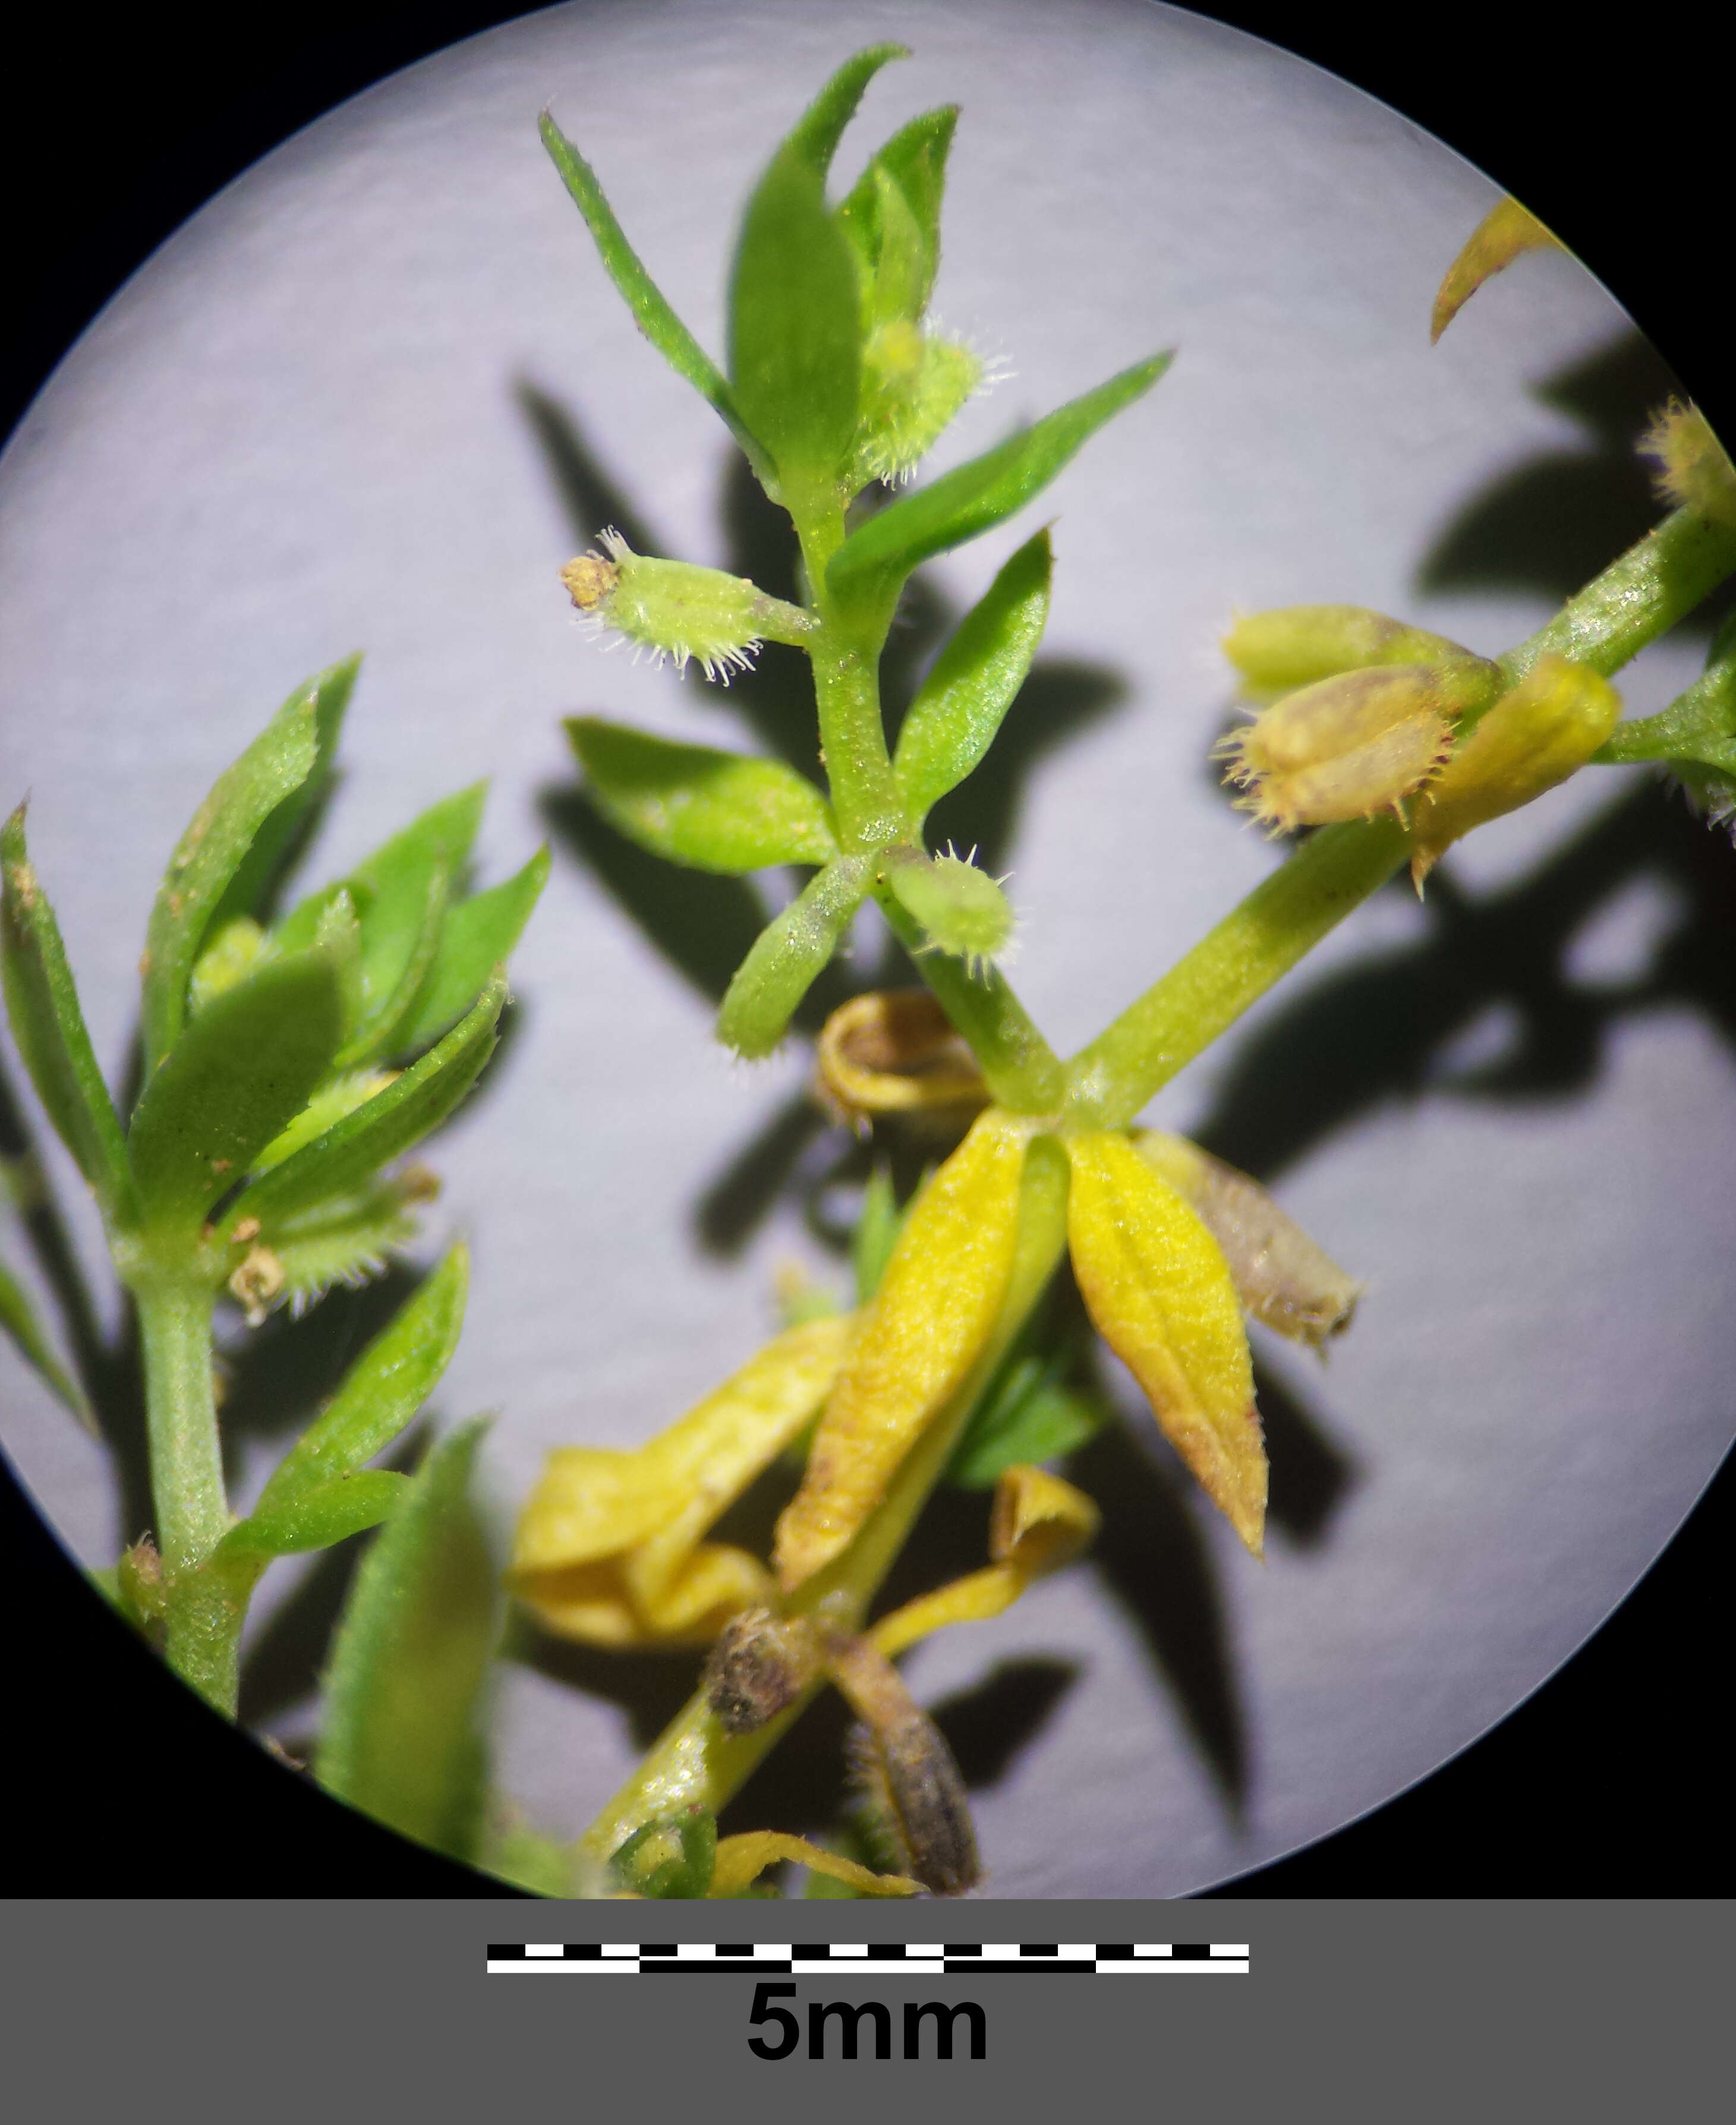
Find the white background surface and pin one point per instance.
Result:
(296, 432)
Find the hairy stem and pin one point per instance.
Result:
(192, 1507)
(1020, 1068)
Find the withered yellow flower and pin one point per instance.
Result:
(1038, 1523)
(1159, 1293)
(609, 1549)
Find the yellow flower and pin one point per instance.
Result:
(609, 1549)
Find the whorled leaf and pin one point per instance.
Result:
(385, 1127)
(936, 1307)
(479, 934)
(796, 328)
(238, 1074)
(873, 561)
(959, 706)
(790, 955)
(244, 800)
(1159, 1293)
(403, 1738)
(1505, 233)
(42, 1006)
(723, 811)
(19, 1322)
(382, 1390)
(651, 311)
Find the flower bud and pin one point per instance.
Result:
(1294, 645)
(674, 609)
(1694, 470)
(1535, 736)
(1353, 744)
(914, 384)
(962, 909)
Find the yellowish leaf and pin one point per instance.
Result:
(1282, 1277)
(935, 1309)
(1159, 1293)
(1506, 231)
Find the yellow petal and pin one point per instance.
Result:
(1038, 1523)
(935, 1309)
(1537, 735)
(608, 1548)
(742, 1860)
(1157, 1289)
(1506, 231)
(1282, 1277)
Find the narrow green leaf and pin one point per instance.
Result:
(480, 933)
(275, 842)
(789, 955)
(338, 1163)
(382, 1390)
(393, 887)
(42, 1003)
(239, 1073)
(18, 1319)
(875, 559)
(640, 293)
(1699, 725)
(314, 1518)
(403, 1739)
(350, 1240)
(953, 720)
(1027, 1416)
(712, 811)
(382, 1031)
(209, 853)
(914, 162)
(796, 324)
(821, 126)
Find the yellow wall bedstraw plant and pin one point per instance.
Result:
(292, 1057)
(1384, 741)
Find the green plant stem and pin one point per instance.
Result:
(1020, 1068)
(846, 656)
(1637, 598)
(192, 1507)
(693, 1763)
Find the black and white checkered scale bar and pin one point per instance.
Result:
(1093, 1959)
